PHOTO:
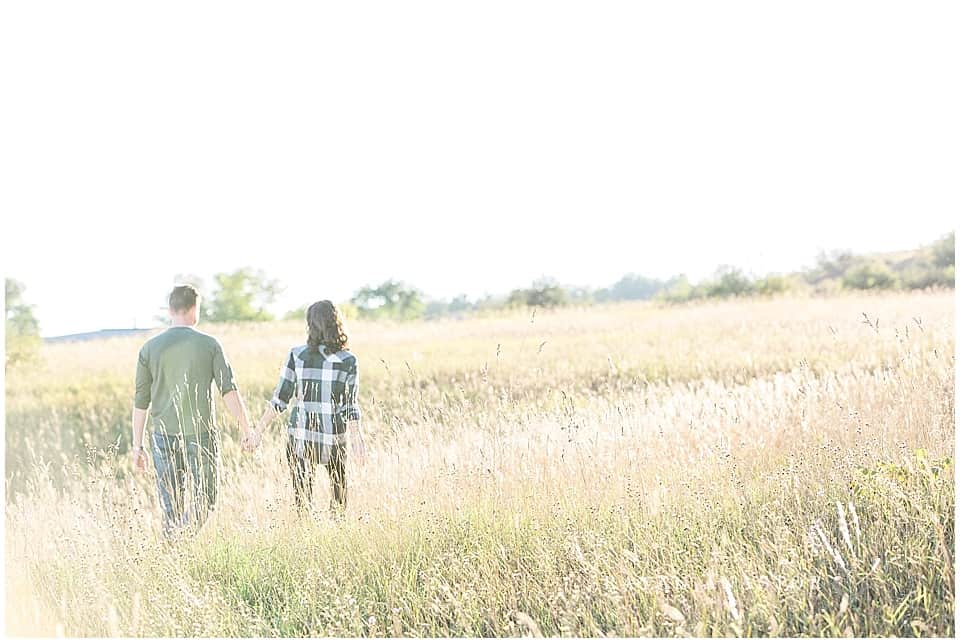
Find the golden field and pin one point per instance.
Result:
(768, 467)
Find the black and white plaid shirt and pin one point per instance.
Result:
(325, 387)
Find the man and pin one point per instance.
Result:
(175, 371)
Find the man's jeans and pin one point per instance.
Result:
(185, 463)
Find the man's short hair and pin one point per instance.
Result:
(183, 298)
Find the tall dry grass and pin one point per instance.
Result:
(749, 468)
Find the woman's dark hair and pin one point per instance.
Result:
(325, 326)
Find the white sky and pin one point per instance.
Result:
(462, 147)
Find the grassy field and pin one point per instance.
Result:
(775, 468)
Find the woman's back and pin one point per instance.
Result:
(324, 387)
(321, 380)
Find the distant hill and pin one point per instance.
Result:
(928, 266)
(107, 333)
(931, 265)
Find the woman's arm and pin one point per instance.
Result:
(282, 394)
(352, 411)
(287, 386)
(268, 414)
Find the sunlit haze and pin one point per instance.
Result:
(460, 147)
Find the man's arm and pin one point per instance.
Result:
(139, 421)
(141, 402)
(223, 376)
(139, 454)
(238, 410)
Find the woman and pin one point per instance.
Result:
(322, 375)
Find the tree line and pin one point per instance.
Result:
(930, 266)
(247, 294)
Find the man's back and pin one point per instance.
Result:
(174, 373)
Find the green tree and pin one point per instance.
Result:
(436, 308)
(544, 293)
(347, 310)
(927, 276)
(582, 295)
(869, 275)
(488, 303)
(632, 286)
(729, 282)
(22, 330)
(460, 303)
(390, 300)
(241, 295)
(830, 265)
(945, 251)
(298, 314)
(677, 289)
(772, 285)
(442, 307)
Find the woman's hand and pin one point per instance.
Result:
(251, 440)
(265, 419)
(358, 449)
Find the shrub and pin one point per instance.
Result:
(870, 275)
(22, 330)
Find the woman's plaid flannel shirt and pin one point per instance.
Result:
(325, 387)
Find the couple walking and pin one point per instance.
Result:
(176, 371)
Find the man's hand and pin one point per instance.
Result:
(139, 460)
(138, 455)
(251, 441)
